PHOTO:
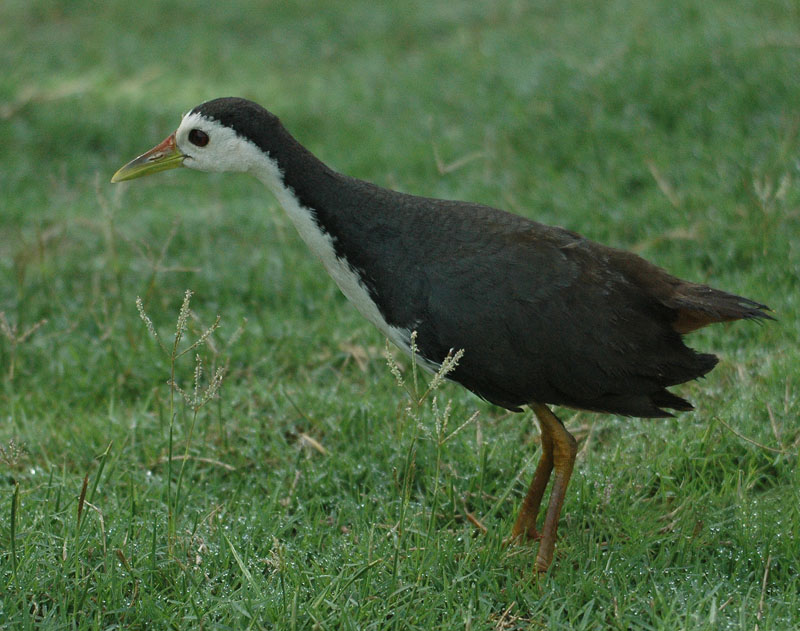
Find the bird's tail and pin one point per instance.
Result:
(700, 305)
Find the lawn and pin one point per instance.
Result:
(309, 489)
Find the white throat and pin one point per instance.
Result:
(322, 245)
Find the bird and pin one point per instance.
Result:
(544, 316)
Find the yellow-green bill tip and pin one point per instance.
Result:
(160, 158)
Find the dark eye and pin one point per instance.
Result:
(199, 138)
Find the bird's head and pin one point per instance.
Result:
(218, 135)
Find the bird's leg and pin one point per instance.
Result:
(565, 449)
(529, 511)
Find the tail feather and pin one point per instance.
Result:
(665, 399)
(700, 305)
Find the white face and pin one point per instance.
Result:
(210, 146)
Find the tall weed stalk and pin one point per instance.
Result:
(195, 398)
(422, 404)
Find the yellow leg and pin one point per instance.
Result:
(558, 453)
(565, 448)
(529, 511)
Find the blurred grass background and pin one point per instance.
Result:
(309, 496)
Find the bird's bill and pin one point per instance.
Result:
(160, 158)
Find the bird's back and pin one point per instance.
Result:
(542, 314)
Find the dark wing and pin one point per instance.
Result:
(544, 315)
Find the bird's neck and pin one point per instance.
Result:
(311, 193)
(335, 216)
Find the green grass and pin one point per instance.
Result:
(312, 496)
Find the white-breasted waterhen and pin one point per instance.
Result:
(544, 316)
